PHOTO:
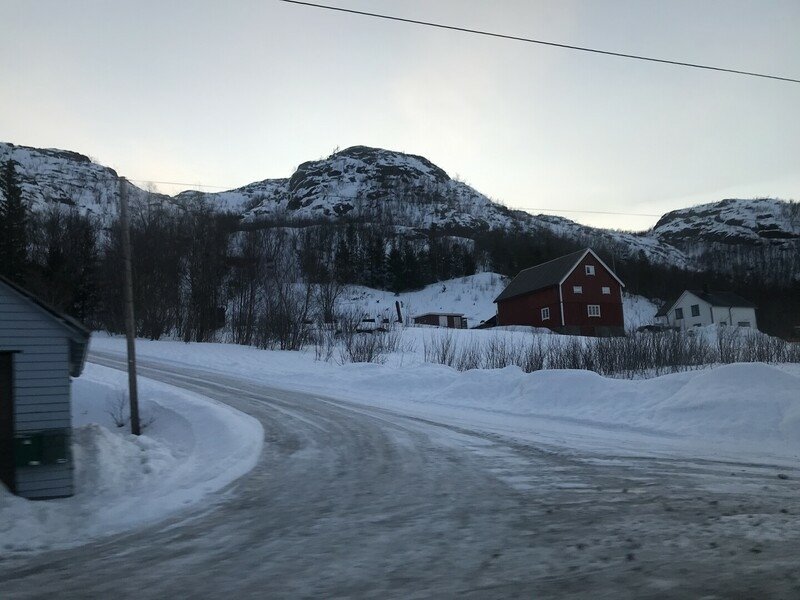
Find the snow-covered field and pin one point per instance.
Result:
(740, 410)
(190, 447)
(473, 296)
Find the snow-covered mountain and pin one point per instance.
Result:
(406, 193)
(731, 221)
(49, 177)
(368, 184)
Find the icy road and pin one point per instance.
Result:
(352, 502)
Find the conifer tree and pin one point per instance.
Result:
(13, 226)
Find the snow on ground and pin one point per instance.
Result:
(750, 410)
(638, 311)
(192, 446)
(472, 296)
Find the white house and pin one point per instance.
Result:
(696, 308)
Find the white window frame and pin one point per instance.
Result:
(545, 313)
(589, 269)
(694, 307)
(577, 289)
(606, 290)
(590, 311)
(679, 316)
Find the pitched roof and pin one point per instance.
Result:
(549, 273)
(541, 276)
(72, 325)
(723, 299)
(74, 329)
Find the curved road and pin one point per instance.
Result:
(355, 502)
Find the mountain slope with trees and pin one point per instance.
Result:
(267, 258)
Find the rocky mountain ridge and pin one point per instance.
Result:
(404, 192)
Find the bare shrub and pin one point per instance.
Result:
(325, 343)
(356, 345)
(370, 347)
(531, 357)
(440, 349)
(500, 352)
(636, 355)
(469, 356)
(118, 409)
(728, 345)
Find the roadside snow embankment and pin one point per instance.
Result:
(191, 446)
(738, 410)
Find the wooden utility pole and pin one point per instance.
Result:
(130, 324)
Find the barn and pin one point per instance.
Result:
(450, 320)
(574, 294)
(40, 349)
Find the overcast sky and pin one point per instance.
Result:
(226, 93)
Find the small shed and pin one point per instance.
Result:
(450, 320)
(40, 349)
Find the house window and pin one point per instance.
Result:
(678, 313)
(606, 290)
(743, 323)
(593, 310)
(590, 269)
(723, 323)
(577, 289)
(545, 314)
(695, 310)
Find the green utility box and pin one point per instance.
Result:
(40, 448)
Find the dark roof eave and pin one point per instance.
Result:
(510, 297)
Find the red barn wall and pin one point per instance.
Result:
(575, 312)
(527, 309)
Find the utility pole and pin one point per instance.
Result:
(130, 324)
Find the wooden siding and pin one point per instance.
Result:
(576, 313)
(41, 386)
(453, 321)
(526, 309)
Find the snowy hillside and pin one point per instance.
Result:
(471, 296)
(373, 185)
(50, 177)
(732, 221)
(406, 193)
(403, 191)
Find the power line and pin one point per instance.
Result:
(534, 41)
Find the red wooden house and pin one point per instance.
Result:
(575, 294)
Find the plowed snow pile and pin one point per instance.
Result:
(191, 447)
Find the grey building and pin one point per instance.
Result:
(449, 320)
(40, 349)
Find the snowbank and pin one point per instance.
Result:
(741, 409)
(192, 446)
